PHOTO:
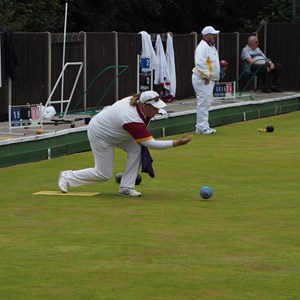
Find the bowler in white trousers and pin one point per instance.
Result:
(205, 73)
(122, 125)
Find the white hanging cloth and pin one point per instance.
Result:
(162, 75)
(170, 57)
(147, 49)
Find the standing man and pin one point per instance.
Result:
(255, 60)
(205, 74)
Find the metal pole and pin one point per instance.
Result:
(63, 59)
(9, 90)
(237, 58)
(84, 70)
(49, 64)
(117, 63)
(265, 37)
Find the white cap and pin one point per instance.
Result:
(152, 98)
(209, 30)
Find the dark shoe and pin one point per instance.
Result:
(265, 90)
(276, 90)
(168, 99)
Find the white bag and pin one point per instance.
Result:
(48, 112)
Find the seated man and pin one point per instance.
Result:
(254, 58)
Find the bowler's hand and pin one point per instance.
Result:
(183, 140)
(206, 80)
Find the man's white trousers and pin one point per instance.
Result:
(204, 94)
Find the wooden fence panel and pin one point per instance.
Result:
(228, 51)
(283, 45)
(184, 48)
(41, 56)
(32, 84)
(129, 46)
(74, 52)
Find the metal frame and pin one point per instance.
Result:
(62, 101)
(252, 75)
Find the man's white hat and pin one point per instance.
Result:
(152, 98)
(209, 30)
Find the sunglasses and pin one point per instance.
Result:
(155, 99)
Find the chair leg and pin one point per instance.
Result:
(247, 84)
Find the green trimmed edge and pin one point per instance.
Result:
(75, 142)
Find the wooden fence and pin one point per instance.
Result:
(41, 56)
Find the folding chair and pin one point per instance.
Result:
(250, 75)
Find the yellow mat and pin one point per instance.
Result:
(59, 193)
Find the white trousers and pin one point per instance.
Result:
(104, 160)
(204, 94)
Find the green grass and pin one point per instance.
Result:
(243, 243)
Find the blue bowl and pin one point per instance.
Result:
(206, 192)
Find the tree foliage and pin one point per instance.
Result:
(32, 15)
(136, 15)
